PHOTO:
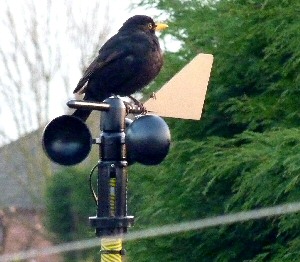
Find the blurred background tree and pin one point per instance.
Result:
(69, 204)
(41, 50)
(243, 154)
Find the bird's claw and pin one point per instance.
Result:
(128, 106)
(135, 109)
(153, 96)
(138, 107)
(142, 108)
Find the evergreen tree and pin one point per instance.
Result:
(244, 153)
(69, 205)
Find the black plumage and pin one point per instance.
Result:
(126, 63)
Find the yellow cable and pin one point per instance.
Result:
(112, 198)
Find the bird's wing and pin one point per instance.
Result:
(96, 65)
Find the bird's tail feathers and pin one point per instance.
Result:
(82, 114)
(80, 88)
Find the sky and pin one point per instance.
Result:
(23, 104)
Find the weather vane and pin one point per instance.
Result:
(125, 64)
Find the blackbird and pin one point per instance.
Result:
(126, 63)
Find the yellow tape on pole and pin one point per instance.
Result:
(111, 250)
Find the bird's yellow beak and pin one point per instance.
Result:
(161, 27)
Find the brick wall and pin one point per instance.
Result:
(23, 230)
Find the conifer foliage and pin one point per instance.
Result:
(245, 151)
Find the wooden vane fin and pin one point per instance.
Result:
(183, 95)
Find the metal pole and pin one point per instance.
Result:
(111, 218)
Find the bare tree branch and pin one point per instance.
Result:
(36, 72)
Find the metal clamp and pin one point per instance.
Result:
(121, 252)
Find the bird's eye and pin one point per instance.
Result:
(150, 26)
